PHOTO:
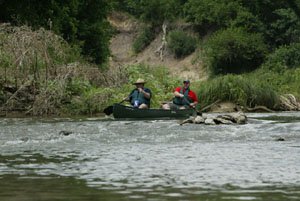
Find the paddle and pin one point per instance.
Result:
(197, 111)
(205, 108)
(110, 109)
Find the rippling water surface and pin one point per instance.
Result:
(102, 159)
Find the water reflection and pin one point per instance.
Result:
(51, 187)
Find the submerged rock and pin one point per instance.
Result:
(65, 133)
(24, 139)
(280, 139)
(219, 120)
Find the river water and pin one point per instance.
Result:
(103, 159)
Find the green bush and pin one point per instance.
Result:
(181, 44)
(234, 51)
(80, 22)
(284, 57)
(247, 21)
(40, 54)
(143, 39)
(285, 29)
(154, 12)
(211, 13)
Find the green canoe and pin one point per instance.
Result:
(126, 112)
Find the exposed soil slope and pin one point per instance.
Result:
(122, 54)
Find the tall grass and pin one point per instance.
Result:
(244, 90)
(51, 73)
(38, 54)
(284, 82)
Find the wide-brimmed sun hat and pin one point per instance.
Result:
(140, 81)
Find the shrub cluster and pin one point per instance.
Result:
(283, 58)
(80, 22)
(211, 13)
(181, 44)
(234, 51)
(40, 53)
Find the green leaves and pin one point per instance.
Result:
(286, 28)
(153, 12)
(234, 51)
(80, 22)
(208, 13)
(181, 44)
(283, 58)
(144, 38)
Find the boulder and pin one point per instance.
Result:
(209, 122)
(199, 120)
(288, 102)
(239, 117)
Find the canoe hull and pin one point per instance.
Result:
(125, 112)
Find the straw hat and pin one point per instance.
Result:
(140, 81)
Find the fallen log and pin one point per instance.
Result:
(258, 109)
(210, 105)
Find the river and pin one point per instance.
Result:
(104, 159)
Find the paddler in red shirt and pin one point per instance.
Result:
(184, 98)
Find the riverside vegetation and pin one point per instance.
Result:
(251, 50)
(42, 75)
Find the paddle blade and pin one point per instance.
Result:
(199, 113)
(109, 110)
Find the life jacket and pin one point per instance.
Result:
(183, 101)
(137, 96)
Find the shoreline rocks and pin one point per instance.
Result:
(215, 119)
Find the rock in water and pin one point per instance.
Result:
(199, 120)
(219, 120)
(232, 118)
(240, 117)
(280, 139)
(65, 133)
(209, 122)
